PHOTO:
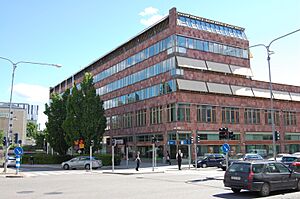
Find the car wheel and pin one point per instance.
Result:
(236, 190)
(66, 167)
(265, 190)
(298, 186)
(87, 166)
(224, 168)
(204, 165)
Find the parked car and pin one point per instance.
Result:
(260, 176)
(11, 162)
(296, 154)
(82, 162)
(252, 156)
(295, 166)
(211, 160)
(279, 156)
(288, 160)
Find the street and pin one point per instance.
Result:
(168, 183)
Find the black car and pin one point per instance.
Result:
(211, 160)
(260, 176)
(288, 160)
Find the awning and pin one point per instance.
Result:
(218, 67)
(242, 91)
(191, 85)
(219, 88)
(191, 63)
(238, 70)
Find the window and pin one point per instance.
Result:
(268, 118)
(230, 115)
(252, 116)
(127, 120)
(183, 112)
(140, 117)
(289, 118)
(257, 168)
(206, 114)
(258, 136)
(156, 115)
(282, 168)
(171, 109)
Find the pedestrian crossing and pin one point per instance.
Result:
(56, 173)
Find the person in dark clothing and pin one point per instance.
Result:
(168, 158)
(179, 158)
(138, 161)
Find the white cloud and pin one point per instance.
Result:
(151, 20)
(149, 11)
(34, 95)
(150, 16)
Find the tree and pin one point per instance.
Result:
(1, 137)
(85, 114)
(56, 112)
(31, 130)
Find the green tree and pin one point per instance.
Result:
(1, 137)
(85, 114)
(31, 130)
(56, 112)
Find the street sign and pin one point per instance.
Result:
(225, 147)
(171, 142)
(18, 151)
(18, 158)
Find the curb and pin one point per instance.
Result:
(132, 173)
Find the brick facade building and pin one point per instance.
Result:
(188, 76)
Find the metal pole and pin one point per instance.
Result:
(153, 157)
(91, 161)
(196, 161)
(127, 157)
(113, 157)
(189, 156)
(272, 109)
(10, 119)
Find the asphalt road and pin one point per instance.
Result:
(203, 183)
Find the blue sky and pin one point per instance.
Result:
(74, 33)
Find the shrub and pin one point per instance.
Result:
(40, 158)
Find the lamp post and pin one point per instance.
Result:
(269, 52)
(10, 118)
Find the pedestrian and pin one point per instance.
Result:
(168, 158)
(138, 161)
(179, 158)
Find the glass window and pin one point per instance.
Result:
(181, 41)
(230, 115)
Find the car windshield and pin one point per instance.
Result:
(239, 167)
(253, 157)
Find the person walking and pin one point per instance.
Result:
(179, 158)
(138, 161)
(168, 158)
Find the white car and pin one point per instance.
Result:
(82, 162)
(11, 162)
(279, 156)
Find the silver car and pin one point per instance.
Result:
(11, 161)
(82, 162)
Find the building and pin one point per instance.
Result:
(19, 121)
(188, 76)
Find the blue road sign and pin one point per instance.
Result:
(171, 142)
(225, 147)
(18, 151)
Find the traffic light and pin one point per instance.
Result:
(277, 135)
(16, 138)
(4, 141)
(222, 133)
(153, 140)
(191, 140)
(113, 142)
(198, 139)
(231, 136)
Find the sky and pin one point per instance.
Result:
(74, 33)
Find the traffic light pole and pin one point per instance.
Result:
(190, 155)
(196, 161)
(153, 156)
(113, 157)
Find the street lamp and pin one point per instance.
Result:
(270, 81)
(10, 118)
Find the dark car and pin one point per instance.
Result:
(211, 160)
(288, 160)
(260, 176)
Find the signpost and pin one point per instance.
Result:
(226, 148)
(18, 152)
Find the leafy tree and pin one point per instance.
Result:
(85, 114)
(40, 140)
(31, 130)
(56, 113)
(1, 137)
